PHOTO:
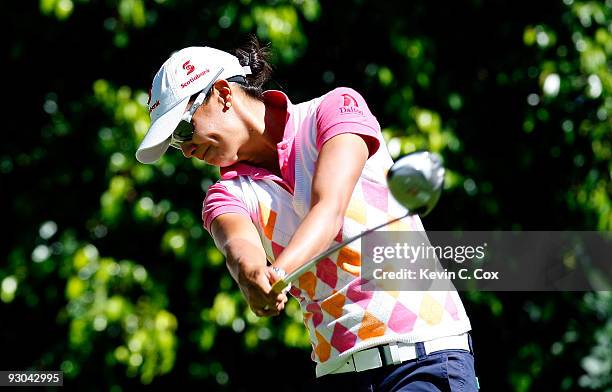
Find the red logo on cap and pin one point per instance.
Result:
(349, 100)
(350, 105)
(188, 67)
(155, 106)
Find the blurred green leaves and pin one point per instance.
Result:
(8, 287)
(281, 26)
(231, 311)
(61, 9)
(118, 298)
(598, 364)
(587, 79)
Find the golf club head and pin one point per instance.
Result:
(416, 181)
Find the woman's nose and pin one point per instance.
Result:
(188, 148)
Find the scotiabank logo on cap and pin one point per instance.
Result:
(188, 67)
(349, 105)
(194, 77)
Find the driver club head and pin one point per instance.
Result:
(416, 181)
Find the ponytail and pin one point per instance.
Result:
(256, 56)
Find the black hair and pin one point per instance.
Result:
(256, 56)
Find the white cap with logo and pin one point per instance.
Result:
(184, 74)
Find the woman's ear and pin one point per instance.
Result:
(223, 88)
(226, 94)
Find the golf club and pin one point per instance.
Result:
(414, 180)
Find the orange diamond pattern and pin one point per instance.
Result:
(333, 305)
(308, 283)
(371, 327)
(323, 348)
(350, 261)
(268, 220)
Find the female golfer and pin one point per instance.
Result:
(296, 178)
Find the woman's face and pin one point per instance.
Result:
(218, 132)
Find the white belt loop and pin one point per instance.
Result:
(396, 358)
(407, 352)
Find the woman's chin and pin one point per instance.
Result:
(213, 160)
(221, 162)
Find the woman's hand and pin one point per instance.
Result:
(255, 282)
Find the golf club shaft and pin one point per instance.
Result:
(284, 282)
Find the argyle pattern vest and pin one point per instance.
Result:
(341, 318)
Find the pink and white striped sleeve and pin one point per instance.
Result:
(219, 201)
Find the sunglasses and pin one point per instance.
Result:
(184, 130)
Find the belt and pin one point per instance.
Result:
(397, 352)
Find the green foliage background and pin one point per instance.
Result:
(105, 270)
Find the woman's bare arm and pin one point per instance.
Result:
(237, 238)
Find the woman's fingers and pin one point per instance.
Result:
(281, 298)
(271, 306)
(266, 311)
(280, 306)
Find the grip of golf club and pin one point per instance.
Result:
(279, 286)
